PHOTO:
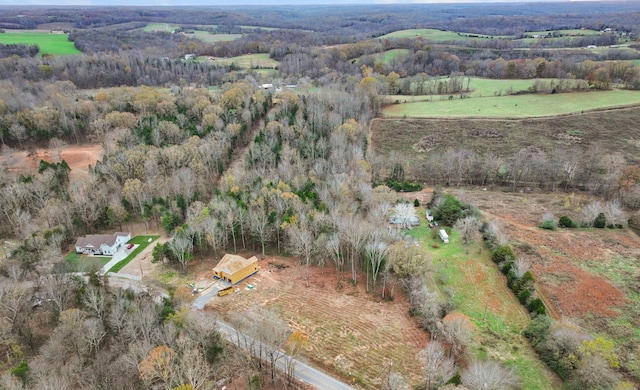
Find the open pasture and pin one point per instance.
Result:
(54, 44)
(562, 33)
(249, 61)
(206, 36)
(519, 106)
(436, 35)
(168, 27)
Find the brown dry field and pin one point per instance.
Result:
(79, 157)
(349, 330)
(615, 131)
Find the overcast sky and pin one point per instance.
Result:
(230, 2)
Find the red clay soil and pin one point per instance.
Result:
(79, 157)
(557, 256)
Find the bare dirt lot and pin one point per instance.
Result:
(79, 157)
(350, 331)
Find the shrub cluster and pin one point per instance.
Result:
(403, 186)
(566, 222)
(447, 209)
(521, 283)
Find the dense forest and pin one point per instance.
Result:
(206, 154)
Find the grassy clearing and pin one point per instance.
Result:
(248, 61)
(520, 106)
(55, 44)
(83, 263)
(570, 32)
(390, 55)
(142, 242)
(206, 36)
(480, 293)
(161, 27)
(435, 35)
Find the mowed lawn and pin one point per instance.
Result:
(55, 44)
(142, 242)
(480, 293)
(519, 106)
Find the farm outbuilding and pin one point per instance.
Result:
(234, 268)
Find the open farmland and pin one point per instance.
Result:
(615, 131)
(161, 27)
(564, 33)
(206, 36)
(249, 61)
(55, 44)
(434, 35)
(588, 276)
(528, 105)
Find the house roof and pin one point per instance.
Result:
(231, 264)
(96, 240)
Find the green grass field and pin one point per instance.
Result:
(435, 35)
(390, 55)
(55, 44)
(520, 106)
(142, 242)
(247, 61)
(480, 293)
(161, 27)
(570, 32)
(206, 36)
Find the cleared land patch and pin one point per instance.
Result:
(588, 276)
(79, 157)
(349, 330)
(55, 44)
(529, 105)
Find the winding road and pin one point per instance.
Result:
(302, 372)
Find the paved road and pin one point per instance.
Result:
(303, 371)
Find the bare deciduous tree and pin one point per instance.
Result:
(488, 374)
(438, 368)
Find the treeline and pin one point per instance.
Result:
(112, 70)
(354, 21)
(562, 168)
(425, 61)
(19, 50)
(153, 44)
